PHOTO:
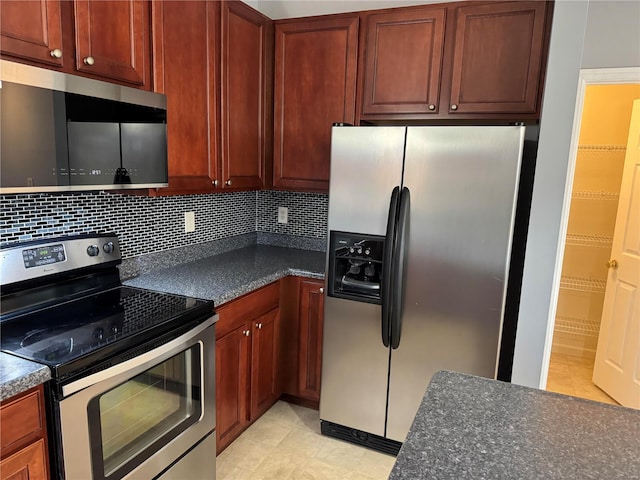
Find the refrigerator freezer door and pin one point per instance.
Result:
(463, 183)
(366, 164)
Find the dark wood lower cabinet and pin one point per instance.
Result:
(247, 361)
(310, 318)
(23, 437)
(232, 386)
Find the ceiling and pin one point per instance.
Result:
(278, 9)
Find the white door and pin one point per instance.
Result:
(617, 365)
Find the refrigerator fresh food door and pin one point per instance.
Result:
(463, 183)
(366, 164)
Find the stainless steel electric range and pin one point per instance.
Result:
(132, 393)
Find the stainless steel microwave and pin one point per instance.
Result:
(62, 132)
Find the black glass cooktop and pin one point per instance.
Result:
(71, 335)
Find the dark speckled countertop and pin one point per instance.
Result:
(220, 278)
(229, 275)
(472, 427)
(18, 375)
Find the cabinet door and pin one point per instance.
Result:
(112, 39)
(402, 62)
(315, 78)
(184, 67)
(246, 52)
(30, 463)
(32, 30)
(232, 384)
(498, 58)
(310, 344)
(264, 362)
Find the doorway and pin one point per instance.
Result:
(599, 155)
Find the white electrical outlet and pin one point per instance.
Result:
(283, 215)
(189, 222)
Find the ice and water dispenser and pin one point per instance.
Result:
(355, 266)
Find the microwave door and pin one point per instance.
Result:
(94, 152)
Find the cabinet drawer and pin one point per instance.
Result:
(22, 420)
(28, 463)
(251, 305)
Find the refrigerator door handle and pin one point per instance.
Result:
(387, 266)
(399, 267)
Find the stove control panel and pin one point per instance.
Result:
(40, 258)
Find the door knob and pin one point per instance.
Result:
(454, 107)
(432, 107)
(259, 326)
(612, 264)
(89, 61)
(321, 290)
(214, 183)
(228, 183)
(56, 53)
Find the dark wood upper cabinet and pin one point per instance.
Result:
(315, 83)
(109, 40)
(185, 63)
(32, 30)
(112, 39)
(402, 59)
(498, 58)
(465, 60)
(246, 107)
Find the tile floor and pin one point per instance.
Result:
(285, 443)
(572, 376)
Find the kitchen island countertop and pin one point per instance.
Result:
(229, 275)
(472, 427)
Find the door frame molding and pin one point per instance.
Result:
(587, 76)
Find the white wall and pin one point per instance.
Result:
(609, 36)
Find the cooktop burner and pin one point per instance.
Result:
(67, 331)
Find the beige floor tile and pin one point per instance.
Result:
(360, 476)
(319, 470)
(280, 464)
(228, 471)
(303, 442)
(288, 414)
(267, 432)
(340, 453)
(374, 464)
(246, 453)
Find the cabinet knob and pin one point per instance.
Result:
(89, 61)
(612, 264)
(432, 107)
(56, 53)
(454, 107)
(259, 326)
(214, 183)
(321, 290)
(228, 183)
(245, 333)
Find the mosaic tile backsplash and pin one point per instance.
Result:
(151, 224)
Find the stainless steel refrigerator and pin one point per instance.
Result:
(421, 227)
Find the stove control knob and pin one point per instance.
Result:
(93, 250)
(108, 247)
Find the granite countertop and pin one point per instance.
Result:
(18, 375)
(229, 275)
(472, 427)
(220, 278)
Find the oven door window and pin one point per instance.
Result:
(132, 421)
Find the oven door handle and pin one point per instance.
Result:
(140, 362)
